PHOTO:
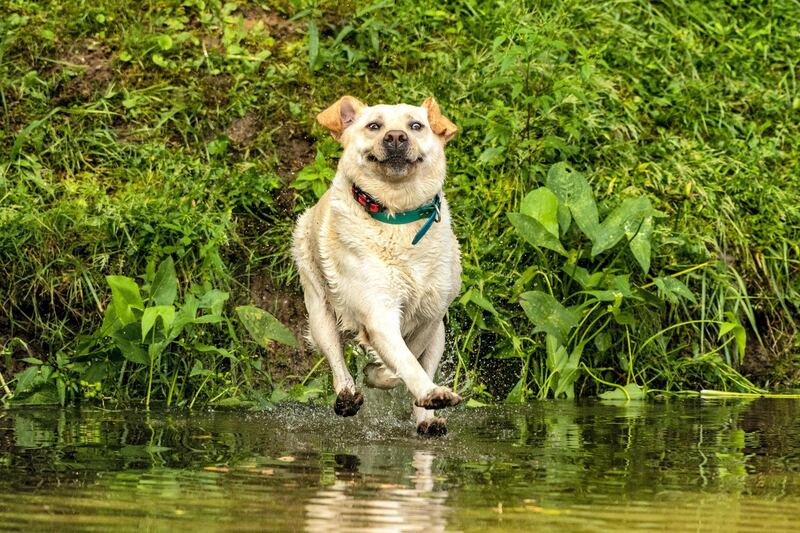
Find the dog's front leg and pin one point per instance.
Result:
(382, 329)
(325, 333)
(429, 425)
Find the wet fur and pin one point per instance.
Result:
(363, 276)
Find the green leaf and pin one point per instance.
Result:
(634, 392)
(313, 45)
(739, 333)
(542, 205)
(474, 296)
(516, 395)
(164, 42)
(164, 288)
(159, 60)
(151, 314)
(564, 218)
(132, 351)
(568, 374)
(573, 191)
(26, 379)
(625, 218)
(61, 387)
(198, 370)
(548, 315)
(264, 327)
(472, 402)
(213, 300)
(535, 233)
(673, 289)
(125, 297)
(640, 243)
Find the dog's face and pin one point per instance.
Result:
(389, 142)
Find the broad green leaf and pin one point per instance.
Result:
(132, 351)
(111, 322)
(125, 297)
(739, 333)
(542, 205)
(472, 402)
(568, 374)
(515, 395)
(532, 231)
(214, 300)
(548, 315)
(628, 215)
(673, 289)
(151, 314)
(481, 301)
(556, 353)
(634, 392)
(26, 379)
(582, 276)
(198, 370)
(573, 191)
(164, 288)
(264, 327)
(164, 42)
(564, 218)
(640, 243)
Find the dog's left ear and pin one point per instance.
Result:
(340, 115)
(440, 124)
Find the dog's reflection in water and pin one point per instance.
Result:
(351, 505)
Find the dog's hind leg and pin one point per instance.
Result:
(325, 334)
(429, 425)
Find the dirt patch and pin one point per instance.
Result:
(293, 152)
(94, 60)
(216, 90)
(278, 26)
(243, 131)
(288, 307)
(772, 364)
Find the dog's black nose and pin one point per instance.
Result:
(395, 140)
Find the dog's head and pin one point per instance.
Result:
(390, 142)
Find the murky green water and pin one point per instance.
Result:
(681, 465)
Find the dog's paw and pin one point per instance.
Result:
(438, 398)
(433, 427)
(348, 403)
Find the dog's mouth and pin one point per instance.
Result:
(394, 160)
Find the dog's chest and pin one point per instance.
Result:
(383, 266)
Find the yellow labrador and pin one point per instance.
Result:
(377, 256)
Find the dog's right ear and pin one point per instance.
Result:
(340, 115)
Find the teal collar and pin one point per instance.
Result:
(430, 210)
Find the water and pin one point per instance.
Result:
(680, 465)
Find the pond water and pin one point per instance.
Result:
(699, 465)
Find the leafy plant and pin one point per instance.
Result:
(595, 307)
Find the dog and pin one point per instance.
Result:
(377, 256)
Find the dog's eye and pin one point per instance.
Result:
(416, 126)
(374, 126)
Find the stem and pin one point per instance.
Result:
(607, 383)
(5, 386)
(681, 273)
(321, 359)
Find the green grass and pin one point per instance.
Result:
(136, 131)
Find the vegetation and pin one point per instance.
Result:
(144, 139)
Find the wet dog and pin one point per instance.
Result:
(377, 256)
